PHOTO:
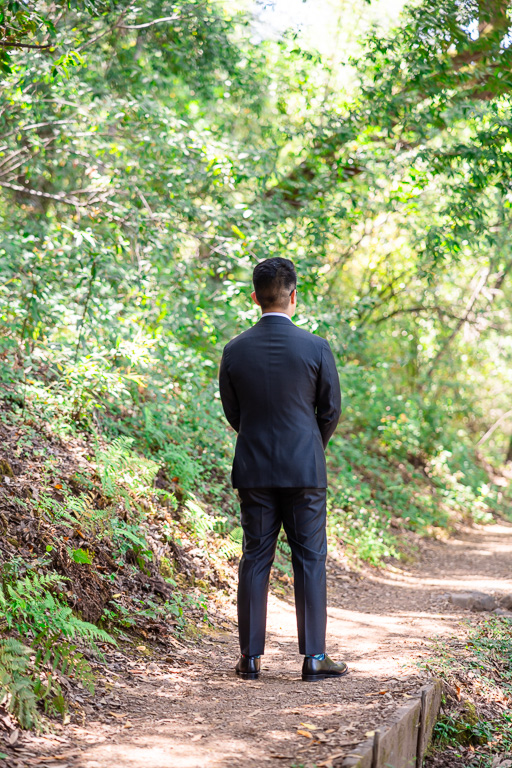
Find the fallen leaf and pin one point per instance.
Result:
(197, 737)
(330, 730)
(383, 692)
(310, 726)
(128, 724)
(62, 756)
(119, 717)
(307, 734)
(328, 760)
(13, 737)
(141, 648)
(369, 734)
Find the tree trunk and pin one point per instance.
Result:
(508, 457)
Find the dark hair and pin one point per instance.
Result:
(274, 280)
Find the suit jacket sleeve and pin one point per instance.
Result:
(228, 395)
(328, 395)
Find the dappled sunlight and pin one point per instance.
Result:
(155, 158)
(200, 715)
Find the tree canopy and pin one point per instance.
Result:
(152, 154)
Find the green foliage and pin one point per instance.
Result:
(31, 607)
(137, 198)
(120, 468)
(465, 728)
(28, 605)
(479, 670)
(173, 611)
(77, 509)
(233, 547)
(82, 556)
(199, 521)
(16, 682)
(128, 537)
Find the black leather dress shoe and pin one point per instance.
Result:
(314, 669)
(248, 667)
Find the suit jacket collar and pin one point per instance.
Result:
(275, 319)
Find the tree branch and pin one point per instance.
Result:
(484, 276)
(38, 193)
(441, 311)
(494, 427)
(107, 31)
(26, 45)
(32, 126)
(147, 24)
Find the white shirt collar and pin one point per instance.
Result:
(277, 314)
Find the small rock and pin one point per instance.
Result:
(502, 612)
(462, 599)
(506, 602)
(484, 602)
(477, 601)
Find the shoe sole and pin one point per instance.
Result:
(326, 676)
(248, 675)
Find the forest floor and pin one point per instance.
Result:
(186, 708)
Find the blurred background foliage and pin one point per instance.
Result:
(151, 153)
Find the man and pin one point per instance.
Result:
(280, 391)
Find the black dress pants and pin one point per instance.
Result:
(302, 512)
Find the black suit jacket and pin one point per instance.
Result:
(280, 391)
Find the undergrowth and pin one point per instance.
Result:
(32, 671)
(474, 729)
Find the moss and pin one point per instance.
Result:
(165, 567)
(461, 727)
(5, 468)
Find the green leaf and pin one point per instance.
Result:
(82, 556)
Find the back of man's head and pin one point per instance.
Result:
(274, 280)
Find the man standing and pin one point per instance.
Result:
(280, 391)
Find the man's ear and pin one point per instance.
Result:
(253, 297)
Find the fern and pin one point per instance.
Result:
(78, 509)
(199, 521)
(62, 658)
(119, 469)
(16, 682)
(233, 547)
(29, 606)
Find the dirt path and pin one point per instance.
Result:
(192, 712)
